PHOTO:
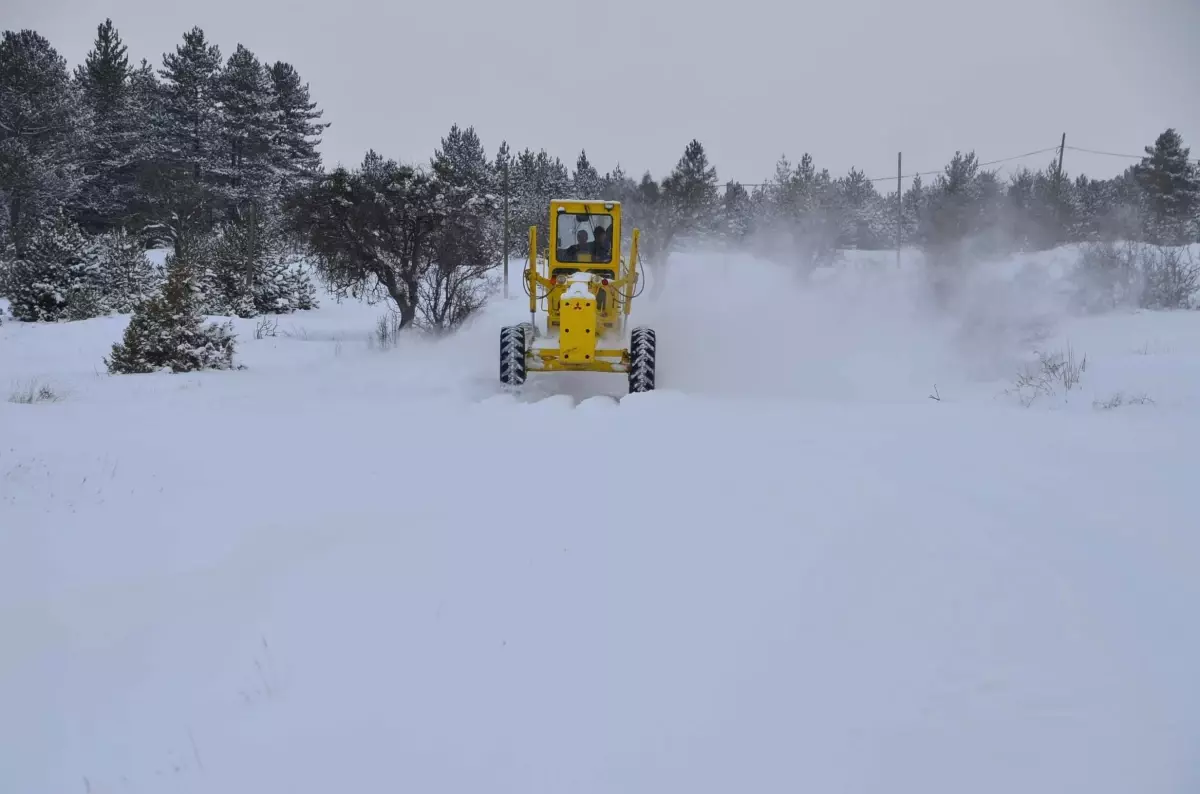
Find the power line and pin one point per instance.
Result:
(924, 173)
(1106, 154)
(981, 165)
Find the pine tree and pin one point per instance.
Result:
(41, 125)
(861, 212)
(191, 120)
(167, 331)
(467, 246)
(616, 185)
(297, 129)
(585, 183)
(182, 167)
(118, 131)
(737, 213)
(691, 191)
(1172, 187)
(916, 205)
(504, 159)
(127, 274)
(250, 128)
(303, 291)
(57, 276)
(146, 197)
(534, 180)
(104, 74)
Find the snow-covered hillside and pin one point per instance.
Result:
(844, 548)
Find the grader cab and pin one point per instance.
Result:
(586, 291)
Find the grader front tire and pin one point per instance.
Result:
(514, 341)
(643, 348)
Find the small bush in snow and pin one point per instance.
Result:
(1119, 399)
(1171, 277)
(1107, 276)
(266, 327)
(449, 296)
(1052, 371)
(33, 392)
(167, 331)
(1123, 275)
(387, 331)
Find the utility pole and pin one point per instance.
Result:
(899, 206)
(1059, 215)
(505, 228)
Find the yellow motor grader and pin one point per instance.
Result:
(587, 290)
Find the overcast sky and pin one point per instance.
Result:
(850, 81)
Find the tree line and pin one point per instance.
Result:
(216, 158)
(102, 164)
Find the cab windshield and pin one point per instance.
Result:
(584, 238)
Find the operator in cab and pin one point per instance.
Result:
(581, 251)
(602, 246)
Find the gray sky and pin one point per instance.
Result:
(850, 81)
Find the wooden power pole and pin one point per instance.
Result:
(899, 206)
(506, 228)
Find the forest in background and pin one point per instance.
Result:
(217, 158)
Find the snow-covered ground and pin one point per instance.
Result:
(839, 550)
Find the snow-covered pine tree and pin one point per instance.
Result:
(1022, 221)
(467, 246)
(147, 209)
(250, 128)
(504, 159)
(502, 176)
(278, 285)
(168, 332)
(1171, 183)
(617, 185)
(104, 73)
(800, 222)
(57, 276)
(42, 123)
(1038, 208)
(238, 269)
(534, 180)
(737, 214)
(691, 191)
(249, 272)
(104, 83)
(303, 291)
(1057, 204)
(298, 129)
(127, 274)
(953, 201)
(585, 182)
(860, 211)
(916, 204)
(1091, 203)
(191, 118)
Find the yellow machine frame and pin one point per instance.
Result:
(587, 303)
(586, 325)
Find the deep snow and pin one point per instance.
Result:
(350, 569)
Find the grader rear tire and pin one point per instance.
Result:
(643, 348)
(514, 341)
